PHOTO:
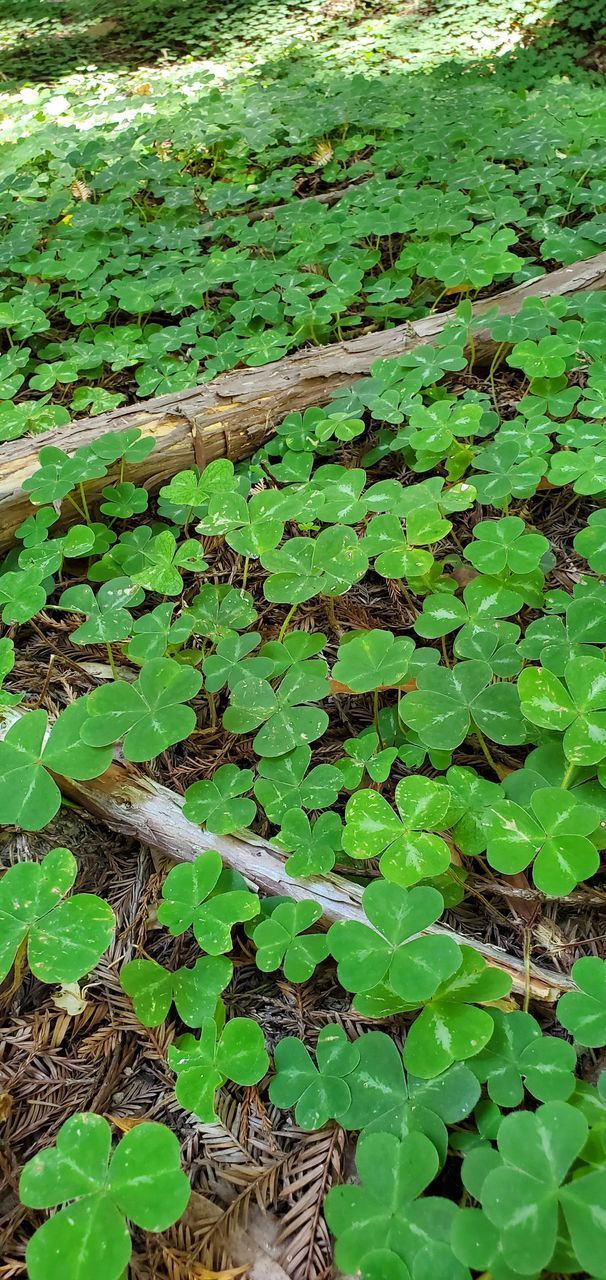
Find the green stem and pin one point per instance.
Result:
(245, 572)
(284, 627)
(111, 659)
(76, 506)
(84, 503)
(375, 717)
(485, 751)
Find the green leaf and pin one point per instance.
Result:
(217, 802)
(372, 660)
(107, 617)
(517, 1053)
(381, 1211)
(195, 991)
(285, 722)
(391, 951)
(320, 1093)
(65, 937)
(446, 702)
(283, 783)
(523, 1195)
(554, 833)
(29, 796)
(306, 567)
(216, 611)
(22, 595)
(408, 848)
(147, 714)
(187, 902)
(202, 1065)
(312, 846)
(280, 939)
(505, 546)
(583, 1012)
(576, 708)
(142, 1181)
(451, 1028)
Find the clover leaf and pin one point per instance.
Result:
(195, 991)
(505, 544)
(148, 714)
(188, 902)
(506, 471)
(7, 662)
(154, 632)
(553, 831)
(228, 664)
(546, 358)
(281, 939)
(591, 541)
(484, 601)
(517, 1054)
(320, 1093)
(372, 660)
(250, 527)
(141, 1180)
(450, 1027)
(284, 783)
(408, 848)
(151, 560)
(192, 490)
(203, 1064)
(219, 803)
(576, 708)
(305, 567)
(285, 721)
(471, 795)
(107, 615)
(312, 846)
(583, 1012)
(449, 702)
(362, 756)
(29, 795)
(217, 611)
(524, 1194)
(381, 1211)
(384, 1101)
(22, 594)
(391, 951)
(397, 554)
(65, 936)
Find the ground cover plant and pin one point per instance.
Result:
(231, 640)
(134, 259)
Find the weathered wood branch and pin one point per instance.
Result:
(232, 415)
(149, 812)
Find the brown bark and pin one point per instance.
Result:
(232, 415)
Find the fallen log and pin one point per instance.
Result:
(232, 415)
(149, 812)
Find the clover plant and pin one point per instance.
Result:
(443, 734)
(64, 936)
(140, 1181)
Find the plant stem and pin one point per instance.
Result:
(375, 717)
(485, 751)
(76, 505)
(111, 659)
(84, 503)
(284, 627)
(245, 572)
